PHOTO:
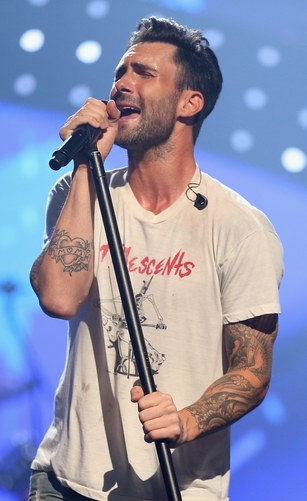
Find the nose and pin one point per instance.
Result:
(119, 88)
(123, 84)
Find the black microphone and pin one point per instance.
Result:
(83, 137)
(200, 202)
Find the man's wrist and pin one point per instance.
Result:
(190, 429)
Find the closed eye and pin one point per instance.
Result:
(144, 70)
(140, 69)
(146, 74)
(119, 73)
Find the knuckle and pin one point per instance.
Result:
(167, 398)
(146, 429)
(63, 133)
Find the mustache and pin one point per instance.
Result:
(124, 97)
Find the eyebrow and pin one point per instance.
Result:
(136, 66)
(144, 67)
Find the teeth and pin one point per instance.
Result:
(127, 110)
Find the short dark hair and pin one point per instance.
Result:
(199, 67)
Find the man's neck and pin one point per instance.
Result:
(158, 177)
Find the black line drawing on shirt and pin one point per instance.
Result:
(114, 323)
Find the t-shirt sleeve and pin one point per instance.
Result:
(55, 202)
(250, 277)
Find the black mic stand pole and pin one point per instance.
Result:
(131, 313)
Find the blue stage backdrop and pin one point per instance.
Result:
(54, 55)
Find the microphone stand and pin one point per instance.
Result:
(131, 313)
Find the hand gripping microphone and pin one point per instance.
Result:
(83, 137)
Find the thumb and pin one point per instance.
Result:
(107, 139)
(113, 112)
(136, 393)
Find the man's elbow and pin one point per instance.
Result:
(58, 307)
(260, 393)
(264, 390)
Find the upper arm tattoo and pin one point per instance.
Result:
(73, 253)
(249, 345)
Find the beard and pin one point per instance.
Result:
(154, 127)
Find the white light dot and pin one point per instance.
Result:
(78, 94)
(97, 9)
(215, 38)
(255, 98)
(38, 3)
(274, 409)
(32, 40)
(25, 85)
(88, 52)
(269, 56)
(241, 140)
(302, 118)
(293, 159)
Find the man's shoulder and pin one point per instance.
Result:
(231, 209)
(115, 178)
(63, 183)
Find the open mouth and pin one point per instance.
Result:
(126, 111)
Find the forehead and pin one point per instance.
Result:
(155, 54)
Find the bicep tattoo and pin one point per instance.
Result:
(249, 345)
(73, 253)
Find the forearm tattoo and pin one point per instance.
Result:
(73, 253)
(244, 385)
(224, 403)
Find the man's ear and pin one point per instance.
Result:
(190, 104)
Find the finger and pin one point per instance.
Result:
(113, 111)
(162, 429)
(156, 408)
(93, 112)
(136, 393)
(154, 400)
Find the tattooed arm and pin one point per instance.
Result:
(249, 346)
(63, 273)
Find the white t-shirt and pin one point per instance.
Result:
(192, 271)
